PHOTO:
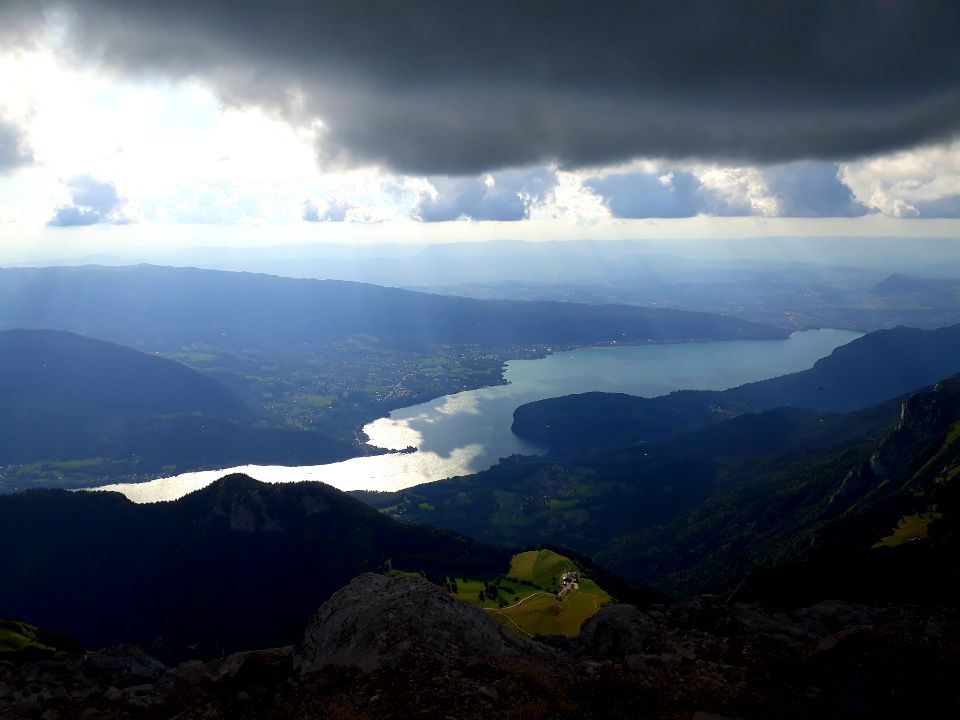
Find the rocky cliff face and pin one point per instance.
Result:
(399, 648)
(925, 420)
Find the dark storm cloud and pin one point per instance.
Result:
(452, 88)
(20, 22)
(14, 152)
(812, 189)
(676, 194)
(92, 202)
(510, 197)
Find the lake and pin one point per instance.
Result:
(470, 431)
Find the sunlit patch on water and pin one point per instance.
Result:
(380, 472)
(464, 403)
(392, 434)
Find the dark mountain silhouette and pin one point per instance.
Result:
(238, 564)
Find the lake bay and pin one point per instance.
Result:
(470, 431)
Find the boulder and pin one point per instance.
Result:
(378, 621)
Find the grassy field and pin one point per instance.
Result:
(910, 527)
(15, 636)
(490, 594)
(543, 614)
(525, 598)
(541, 567)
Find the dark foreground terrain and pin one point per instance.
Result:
(367, 653)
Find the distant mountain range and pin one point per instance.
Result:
(932, 290)
(161, 308)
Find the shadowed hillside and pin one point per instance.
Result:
(46, 370)
(78, 410)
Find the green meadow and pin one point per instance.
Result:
(525, 598)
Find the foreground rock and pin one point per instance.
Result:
(400, 648)
(377, 623)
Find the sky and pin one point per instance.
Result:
(130, 124)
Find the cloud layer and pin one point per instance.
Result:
(447, 88)
(919, 183)
(92, 202)
(801, 189)
(335, 211)
(673, 194)
(507, 196)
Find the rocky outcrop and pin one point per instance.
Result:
(379, 622)
(830, 660)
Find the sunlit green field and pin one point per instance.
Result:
(525, 598)
(543, 614)
(541, 567)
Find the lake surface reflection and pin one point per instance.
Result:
(470, 431)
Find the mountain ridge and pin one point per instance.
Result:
(195, 571)
(181, 306)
